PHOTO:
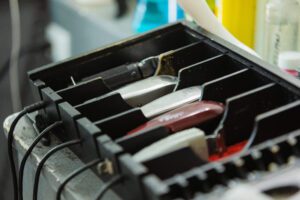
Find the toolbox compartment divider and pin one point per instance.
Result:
(84, 91)
(134, 143)
(208, 70)
(128, 119)
(241, 110)
(276, 123)
(194, 53)
(184, 159)
(231, 85)
(103, 107)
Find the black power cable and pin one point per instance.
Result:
(44, 159)
(10, 133)
(28, 152)
(10, 153)
(108, 185)
(73, 174)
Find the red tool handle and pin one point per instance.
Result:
(185, 117)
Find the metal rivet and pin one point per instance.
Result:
(291, 160)
(105, 167)
(275, 149)
(292, 141)
(273, 167)
(256, 154)
(239, 162)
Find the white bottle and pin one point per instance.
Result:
(260, 25)
(281, 28)
(289, 62)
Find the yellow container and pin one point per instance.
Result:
(211, 4)
(239, 17)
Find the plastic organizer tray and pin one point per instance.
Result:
(259, 101)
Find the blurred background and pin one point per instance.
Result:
(53, 30)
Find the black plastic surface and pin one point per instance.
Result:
(259, 100)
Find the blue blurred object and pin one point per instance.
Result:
(154, 13)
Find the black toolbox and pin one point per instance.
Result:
(260, 102)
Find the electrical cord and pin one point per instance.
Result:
(249, 142)
(44, 159)
(10, 154)
(28, 152)
(108, 185)
(75, 173)
(10, 133)
(14, 55)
